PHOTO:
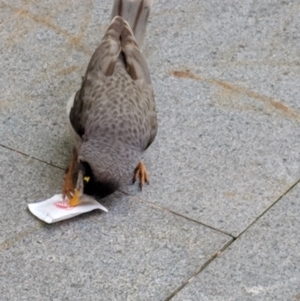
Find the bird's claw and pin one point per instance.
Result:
(68, 189)
(141, 173)
(75, 200)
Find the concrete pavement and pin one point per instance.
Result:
(220, 220)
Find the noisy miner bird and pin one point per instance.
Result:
(113, 114)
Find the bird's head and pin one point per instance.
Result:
(98, 173)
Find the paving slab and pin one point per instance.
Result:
(216, 165)
(229, 114)
(23, 181)
(6, 13)
(228, 141)
(40, 68)
(263, 264)
(134, 252)
(44, 54)
(226, 77)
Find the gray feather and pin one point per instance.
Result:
(114, 110)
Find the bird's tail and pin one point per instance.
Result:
(136, 13)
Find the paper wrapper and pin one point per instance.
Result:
(56, 209)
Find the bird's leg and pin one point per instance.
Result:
(141, 173)
(68, 188)
(75, 200)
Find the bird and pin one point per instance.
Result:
(113, 114)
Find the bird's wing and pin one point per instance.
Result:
(118, 46)
(137, 68)
(153, 128)
(101, 65)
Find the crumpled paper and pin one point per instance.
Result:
(57, 209)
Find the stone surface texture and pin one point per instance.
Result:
(219, 220)
(263, 264)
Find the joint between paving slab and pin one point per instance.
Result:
(199, 270)
(183, 216)
(31, 157)
(266, 210)
(228, 244)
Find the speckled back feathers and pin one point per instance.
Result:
(114, 111)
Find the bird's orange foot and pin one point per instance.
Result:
(141, 173)
(68, 188)
(75, 200)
